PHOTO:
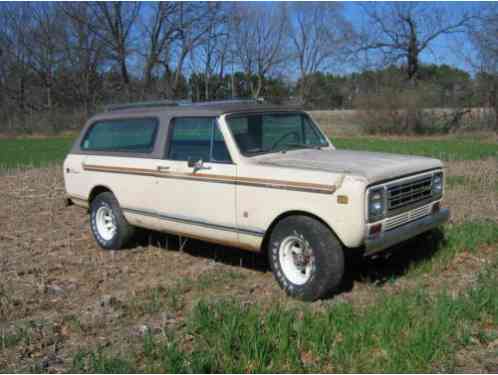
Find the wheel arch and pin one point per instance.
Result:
(266, 238)
(98, 189)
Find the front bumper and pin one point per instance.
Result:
(406, 231)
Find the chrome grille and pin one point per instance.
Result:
(401, 195)
(406, 217)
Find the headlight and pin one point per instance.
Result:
(437, 184)
(376, 204)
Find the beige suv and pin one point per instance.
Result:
(263, 178)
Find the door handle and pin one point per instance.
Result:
(197, 165)
(163, 168)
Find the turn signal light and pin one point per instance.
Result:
(342, 199)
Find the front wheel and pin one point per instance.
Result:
(306, 258)
(109, 226)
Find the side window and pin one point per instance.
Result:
(127, 135)
(239, 125)
(197, 138)
(219, 152)
(190, 139)
(311, 135)
(240, 130)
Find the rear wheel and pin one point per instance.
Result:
(109, 226)
(306, 258)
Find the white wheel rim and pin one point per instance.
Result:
(106, 223)
(296, 259)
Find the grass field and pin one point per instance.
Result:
(38, 152)
(409, 332)
(35, 152)
(412, 331)
(67, 306)
(451, 149)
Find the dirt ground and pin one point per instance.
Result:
(60, 293)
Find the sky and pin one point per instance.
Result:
(451, 50)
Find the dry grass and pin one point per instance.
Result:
(473, 189)
(59, 293)
(338, 123)
(346, 123)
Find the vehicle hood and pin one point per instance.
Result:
(373, 166)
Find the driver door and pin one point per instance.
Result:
(197, 192)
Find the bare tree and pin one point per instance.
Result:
(484, 36)
(16, 27)
(114, 25)
(45, 46)
(194, 21)
(320, 34)
(210, 58)
(159, 30)
(84, 54)
(400, 32)
(259, 41)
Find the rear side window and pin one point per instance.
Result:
(126, 135)
(196, 138)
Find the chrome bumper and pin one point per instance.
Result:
(405, 232)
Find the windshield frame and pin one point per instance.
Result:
(312, 123)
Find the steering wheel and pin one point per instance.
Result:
(283, 137)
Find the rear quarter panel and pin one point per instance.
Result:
(131, 190)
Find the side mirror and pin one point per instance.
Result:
(197, 165)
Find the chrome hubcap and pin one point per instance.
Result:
(105, 222)
(296, 259)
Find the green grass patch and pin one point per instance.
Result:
(36, 152)
(98, 362)
(9, 339)
(408, 332)
(19, 335)
(432, 252)
(413, 331)
(473, 184)
(33, 152)
(465, 149)
(468, 236)
(212, 278)
(452, 181)
(155, 300)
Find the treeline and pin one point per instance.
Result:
(62, 61)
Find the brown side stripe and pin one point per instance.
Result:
(246, 181)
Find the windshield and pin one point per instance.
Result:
(263, 133)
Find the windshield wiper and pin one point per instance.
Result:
(290, 146)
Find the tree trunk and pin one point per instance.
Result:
(493, 102)
(232, 84)
(206, 87)
(412, 51)
(51, 119)
(21, 104)
(148, 75)
(87, 94)
(149, 66)
(255, 91)
(302, 89)
(124, 72)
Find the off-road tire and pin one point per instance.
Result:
(124, 231)
(327, 268)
